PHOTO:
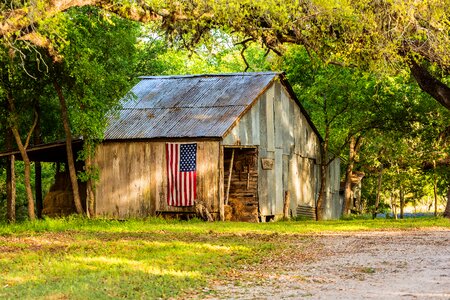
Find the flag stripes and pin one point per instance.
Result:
(181, 174)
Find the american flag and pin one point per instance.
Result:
(181, 174)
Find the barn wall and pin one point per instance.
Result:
(282, 133)
(333, 205)
(133, 179)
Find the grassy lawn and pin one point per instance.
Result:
(77, 258)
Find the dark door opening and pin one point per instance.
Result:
(241, 189)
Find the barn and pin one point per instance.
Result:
(254, 145)
(239, 144)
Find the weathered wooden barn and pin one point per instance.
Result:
(255, 147)
(254, 141)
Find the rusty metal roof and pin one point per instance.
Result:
(187, 106)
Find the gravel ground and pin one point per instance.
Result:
(363, 265)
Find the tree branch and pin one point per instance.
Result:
(244, 47)
(19, 22)
(27, 141)
(430, 84)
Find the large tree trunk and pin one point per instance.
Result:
(37, 164)
(354, 145)
(377, 199)
(348, 195)
(435, 195)
(27, 175)
(90, 185)
(23, 153)
(402, 202)
(70, 160)
(394, 204)
(10, 180)
(447, 207)
(322, 197)
(323, 177)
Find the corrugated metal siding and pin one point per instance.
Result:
(186, 106)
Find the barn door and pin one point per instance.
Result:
(242, 186)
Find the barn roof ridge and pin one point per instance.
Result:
(178, 106)
(211, 75)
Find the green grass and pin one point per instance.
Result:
(76, 258)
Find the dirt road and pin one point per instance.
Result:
(362, 265)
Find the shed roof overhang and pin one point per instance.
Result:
(50, 152)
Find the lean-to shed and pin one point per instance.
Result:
(254, 142)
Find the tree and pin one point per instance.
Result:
(399, 161)
(393, 35)
(98, 57)
(90, 73)
(15, 89)
(411, 34)
(339, 101)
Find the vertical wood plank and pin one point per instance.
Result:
(161, 173)
(297, 133)
(263, 192)
(280, 120)
(255, 117)
(243, 132)
(221, 183)
(270, 130)
(278, 180)
(263, 122)
(153, 189)
(294, 182)
(288, 116)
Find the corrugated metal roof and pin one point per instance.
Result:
(187, 106)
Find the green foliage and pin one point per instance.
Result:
(399, 124)
(98, 62)
(48, 173)
(157, 56)
(403, 153)
(338, 99)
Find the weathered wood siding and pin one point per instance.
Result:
(333, 205)
(133, 178)
(282, 133)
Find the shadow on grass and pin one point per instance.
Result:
(88, 265)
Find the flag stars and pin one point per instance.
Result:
(188, 153)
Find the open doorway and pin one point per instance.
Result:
(241, 184)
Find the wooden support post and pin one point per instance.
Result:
(10, 179)
(38, 188)
(287, 202)
(229, 177)
(11, 189)
(221, 187)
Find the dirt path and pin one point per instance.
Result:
(363, 265)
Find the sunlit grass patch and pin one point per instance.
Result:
(88, 264)
(77, 258)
